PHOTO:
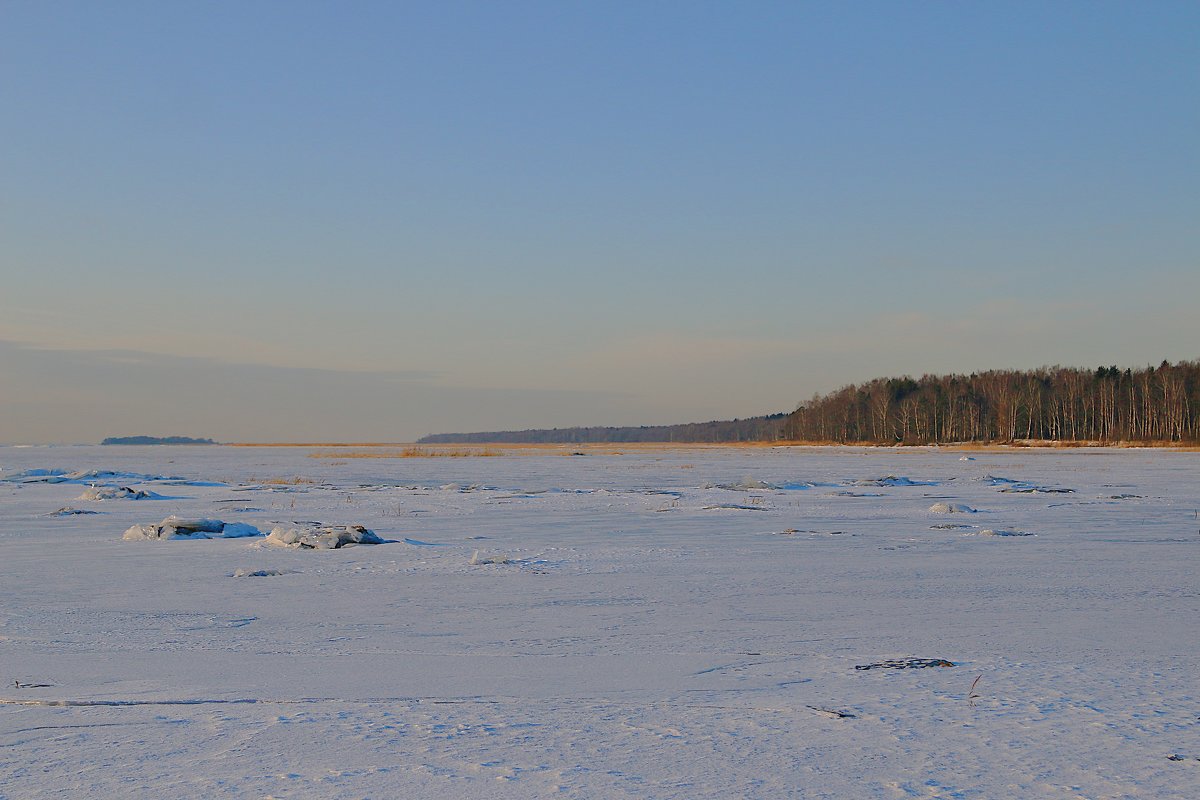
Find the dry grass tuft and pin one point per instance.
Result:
(972, 695)
(414, 452)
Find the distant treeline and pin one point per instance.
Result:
(155, 440)
(1068, 404)
(753, 429)
(1155, 404)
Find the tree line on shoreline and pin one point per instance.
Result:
(1154, 404)
(1058, 404)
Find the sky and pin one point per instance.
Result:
(320, 221)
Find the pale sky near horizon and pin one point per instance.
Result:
(281, 221)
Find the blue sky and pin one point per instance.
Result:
(487, 215)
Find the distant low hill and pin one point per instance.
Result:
(155, 440)
(752, 429)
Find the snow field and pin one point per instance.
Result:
(675, 624)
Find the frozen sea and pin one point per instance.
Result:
(664, 623)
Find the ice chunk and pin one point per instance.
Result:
(749, 483)
(98, 493)
(38, 476)
(321, 537)
(950, 508)
(82, 476)
(478, 558)
(176, 528)
(893, 480)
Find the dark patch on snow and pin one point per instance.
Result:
(258, 573)
(67, 511)
(907, 663)
(733, 507)
(832, 712)
(794, 531)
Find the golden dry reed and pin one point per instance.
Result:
(412, 452)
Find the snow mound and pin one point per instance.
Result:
(98, 493)
(751, 484)
(1010, 486)
(84, 476)
(110, 475)
(996, 480)
(1024, 489)
(950, 508)
(36, 475)
(893, 480)
(321, 537)
(747, 484)
(175, 528)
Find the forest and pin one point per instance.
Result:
(1154, 404)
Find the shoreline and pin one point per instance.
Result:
(413, 449)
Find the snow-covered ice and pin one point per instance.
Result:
(942, 507)
(100, 493)
(478, 558)
(990, 532)
(651, 634)
(320, 537)
(177, 528)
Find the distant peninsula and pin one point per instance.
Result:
(751, 429)
(155, 440)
